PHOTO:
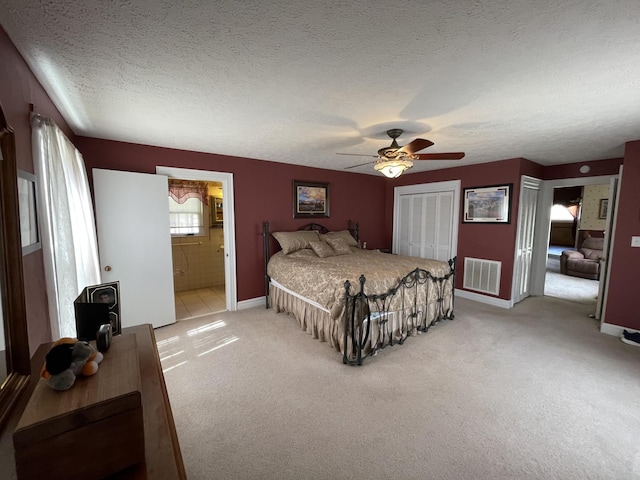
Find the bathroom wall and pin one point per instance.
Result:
(198, 262)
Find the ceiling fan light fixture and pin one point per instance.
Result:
(392, 168)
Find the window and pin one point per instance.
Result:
(186, 218)
(562, 213)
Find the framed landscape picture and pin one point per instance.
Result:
(310, 199)
(490, 204)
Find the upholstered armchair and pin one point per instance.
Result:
(584, 262)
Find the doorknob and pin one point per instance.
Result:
(107, 268)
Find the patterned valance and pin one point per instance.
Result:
(181, 190)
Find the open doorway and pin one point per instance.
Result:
(576, 242)
(210, 252)
(197, 246)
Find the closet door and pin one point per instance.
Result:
(444, 226)
(410, 239)
(416, 233)
(428, 223)
(424, 222)
(529, 188)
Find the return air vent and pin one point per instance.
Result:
(482, 275)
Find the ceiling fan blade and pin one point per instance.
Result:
(415, 146)
(440, 156)
(359, 165)
(358, 155)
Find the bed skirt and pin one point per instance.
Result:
(317, 321)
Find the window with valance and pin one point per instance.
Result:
(187, 199)
(182, 190)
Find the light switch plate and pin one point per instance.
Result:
(635, 241)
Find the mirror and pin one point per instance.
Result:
(14, 318)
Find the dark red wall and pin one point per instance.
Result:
(19, 89)
(572, 170)
(622, 302)
(486, 241)
(263, 191)
(494, 241)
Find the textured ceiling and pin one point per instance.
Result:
(554, 81)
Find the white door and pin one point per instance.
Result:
(606, 247)
(425, 220)
(417, 220)
(404, 211)
(529, 188)
(132, 219)
(443, 243)
(428, 240)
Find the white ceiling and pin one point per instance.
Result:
(554, 81)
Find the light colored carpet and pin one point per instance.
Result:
(535, 392)
(580, 290)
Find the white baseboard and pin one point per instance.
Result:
(252, 303)
(615, 330)
(496, 302)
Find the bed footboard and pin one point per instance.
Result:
(415, 304)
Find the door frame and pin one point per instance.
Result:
(435, 187)
(543, 225)
(609, 236)
(229, 227)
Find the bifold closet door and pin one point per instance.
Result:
(425, 225)
(529, 189)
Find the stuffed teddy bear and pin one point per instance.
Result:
(68, 358)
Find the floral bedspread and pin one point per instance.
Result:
(322, 279)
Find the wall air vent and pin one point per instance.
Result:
(482, 275)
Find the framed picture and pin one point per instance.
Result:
(490, 204)
(310, 199)
(29, 233)
(604, 208)
(97, 305)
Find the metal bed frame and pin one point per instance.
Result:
(365, 312)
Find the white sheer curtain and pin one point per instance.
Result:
(67, 224)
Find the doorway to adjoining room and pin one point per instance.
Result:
(197, 240)
(578, 219)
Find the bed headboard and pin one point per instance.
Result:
(354, 229)
(315, 226)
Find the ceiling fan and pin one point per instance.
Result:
(392, 161)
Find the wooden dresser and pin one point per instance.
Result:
(162, 456)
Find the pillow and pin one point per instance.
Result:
(344, 234)
(322, 249)
(591, 254)
(339, 245)
(292, 241)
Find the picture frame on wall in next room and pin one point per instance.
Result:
(603, 208)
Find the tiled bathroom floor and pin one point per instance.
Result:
(203, 301)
